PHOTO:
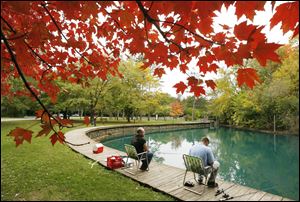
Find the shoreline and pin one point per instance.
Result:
(260, 130)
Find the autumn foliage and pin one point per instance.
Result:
(78, 40)
(176, 109)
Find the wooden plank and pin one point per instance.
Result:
(276, 198)
(210, 193)
(164, 177)
(271, 197)
(256, 196)
(267, 197)
(170, 178)
(238, 192)
(182, 193)
(173, 184)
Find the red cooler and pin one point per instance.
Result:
(114, 162)
(98, 148)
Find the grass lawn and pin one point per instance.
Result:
(40, 171)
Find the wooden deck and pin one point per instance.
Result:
(169, 179)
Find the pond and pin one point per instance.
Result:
(262, 161)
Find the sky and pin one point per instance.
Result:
(226, 17)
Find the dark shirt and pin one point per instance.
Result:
(138, 143)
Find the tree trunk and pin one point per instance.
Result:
(65, 114)
(128, 119)
(92, 116)
(193, 109)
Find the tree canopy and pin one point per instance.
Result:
(43, 41)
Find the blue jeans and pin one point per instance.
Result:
(144, 164)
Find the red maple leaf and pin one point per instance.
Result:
(205, 25)
(192, 81)
(247, 76)
(39, 113)
(288, 14)
(248, 8)
(159, 72)
(20, 135)
(266, 51)
(53, 138)
(180, 87)
(46, 130)
(242, 31)
(86, 120)
(197, 90)
(211, 84)
(183, 68)
(61, 137)
(65, 122)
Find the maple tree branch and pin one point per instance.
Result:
(57, 135)
(22, 75)
(13, 58)
(150, 6)
(146, 30)
(153, 21)
(114, 20)
(192, 32)
(41, 59)
(9, 26)
(60, 31)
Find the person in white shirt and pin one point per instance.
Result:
(206, 154)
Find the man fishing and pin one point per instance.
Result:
(205, 153)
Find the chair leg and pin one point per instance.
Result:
(125, 168)
(138, 165)
(206, 178)
(184, 177)
(126, 162)
(195, 178)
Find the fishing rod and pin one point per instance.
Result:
(220, 191)
(226, 197)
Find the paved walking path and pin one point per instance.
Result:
(3, 119)
(168, 179)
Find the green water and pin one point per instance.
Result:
(257, 160)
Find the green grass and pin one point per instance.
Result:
(40, 171)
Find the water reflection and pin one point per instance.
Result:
(253, 159)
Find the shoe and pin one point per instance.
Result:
(212, 184)
(189, 184)
(200, 181)
(143, 169)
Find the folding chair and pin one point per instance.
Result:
(138, 157)
(195, 165)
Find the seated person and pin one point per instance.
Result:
(139, 143)
(205, 153)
